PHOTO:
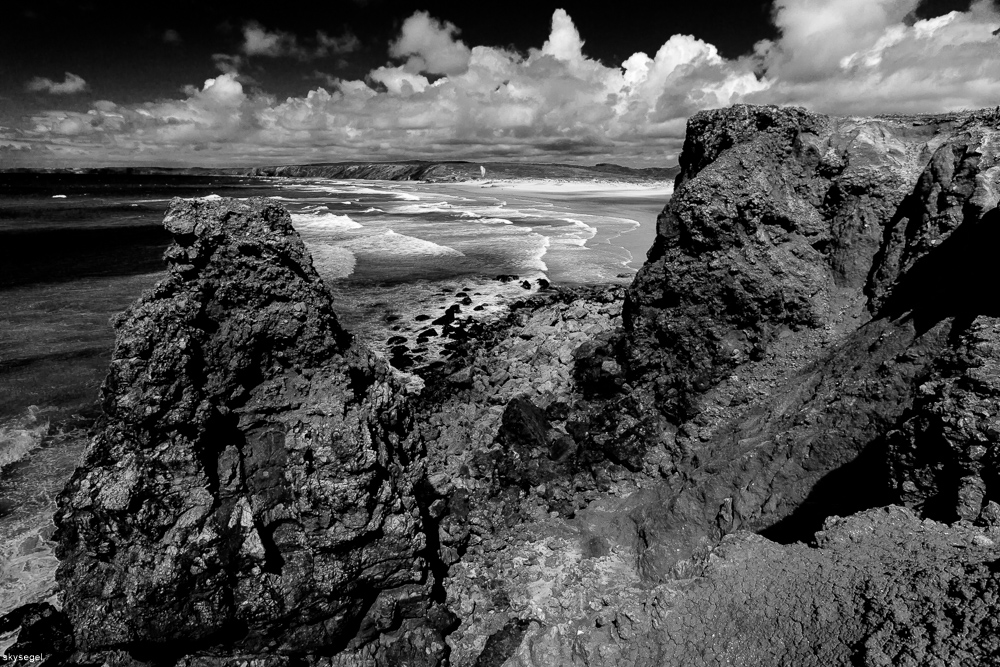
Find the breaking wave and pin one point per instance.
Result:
(21, 435)
(326, 221)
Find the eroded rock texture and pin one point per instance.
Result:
(844, 262)
(880, 588)
(250, 491)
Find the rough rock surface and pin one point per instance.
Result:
(880, 588)
(809, 275)
(780, 217)
(250, 491)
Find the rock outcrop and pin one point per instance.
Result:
(811, 275)
(251, 490)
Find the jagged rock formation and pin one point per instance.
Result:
(842, 259)
(251, 491)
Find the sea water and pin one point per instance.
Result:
(75, 249)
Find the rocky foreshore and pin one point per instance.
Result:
(779, 445)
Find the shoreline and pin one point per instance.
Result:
(639, 203)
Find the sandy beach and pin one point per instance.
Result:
(640, 202)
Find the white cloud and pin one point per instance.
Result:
(564, 41)
(259, 41)
(555, 103)
(398, 81)
(171, 36)
(431, 46)
(70, 85)
(840, 64)
(817, 34)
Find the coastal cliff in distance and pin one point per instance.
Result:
(780, 445)
(407, 170)
(418, 170)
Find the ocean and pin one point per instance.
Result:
(75, 249)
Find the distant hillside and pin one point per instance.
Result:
(460, 171)
(408, 170)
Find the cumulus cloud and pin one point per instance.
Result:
(817, 34)
(442, 98)
(431, 46)
(260, 41)
(70, 85)
(865, 57)
(564, 41)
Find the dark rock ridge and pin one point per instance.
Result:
(251, 490)
(649, 478)
(382, 171)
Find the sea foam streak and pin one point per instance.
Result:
(420, 209)
(322, 220)
(391, 243)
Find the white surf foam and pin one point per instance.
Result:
(421, 209)
(582, 232)
(324, 221)
(59, 196)
(20, 436)
(330, 261)
(392, 243)
(406, 196)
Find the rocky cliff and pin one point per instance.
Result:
(251, 490)
(649, 478)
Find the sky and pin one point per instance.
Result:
(201, 83)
